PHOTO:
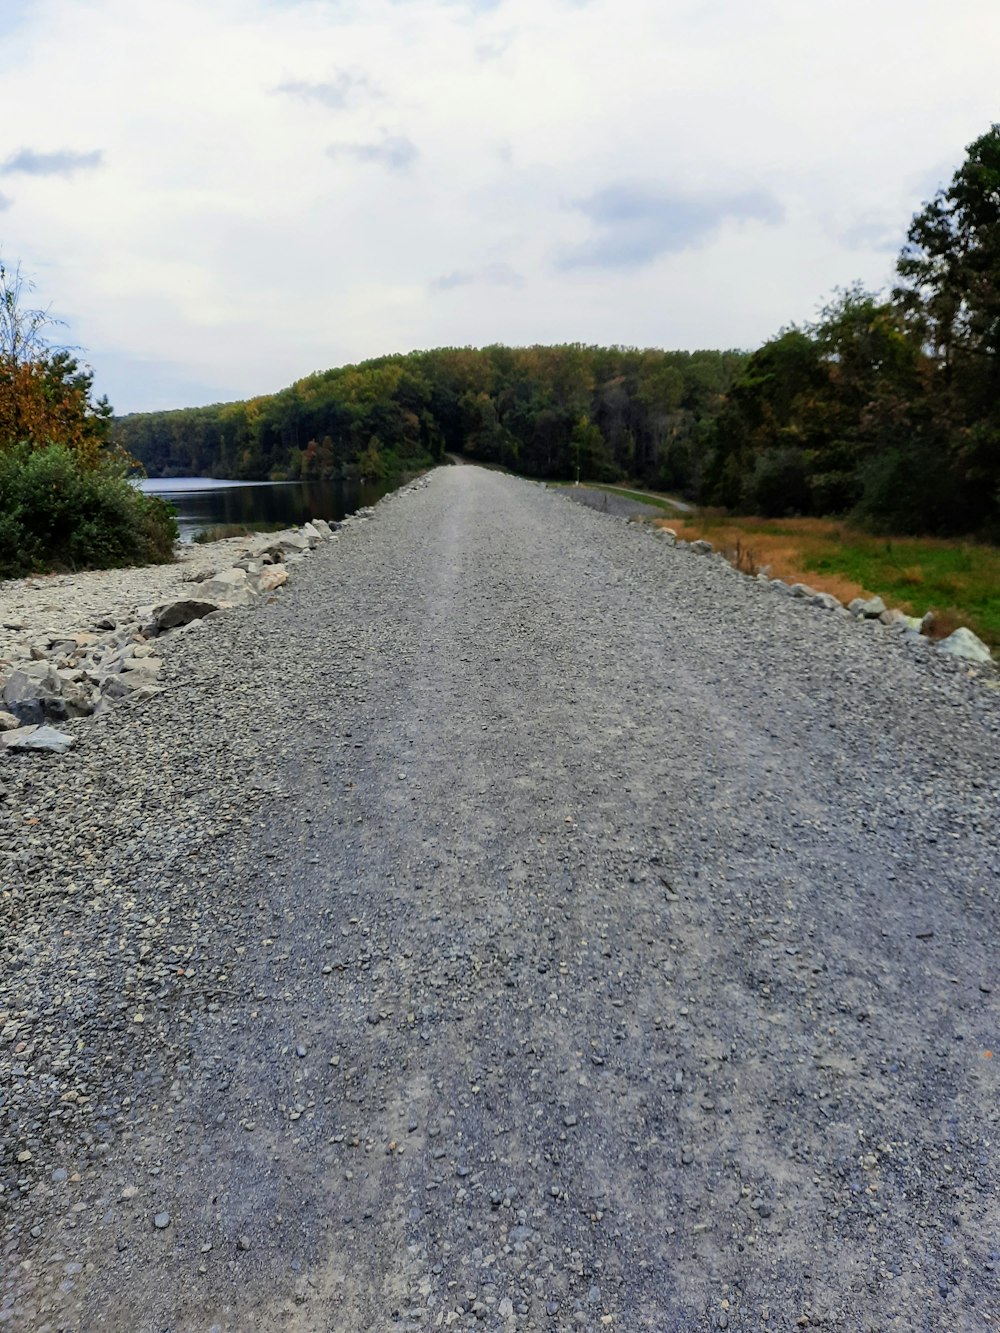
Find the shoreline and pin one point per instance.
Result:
(72, 645)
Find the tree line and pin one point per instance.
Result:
(886, 409)
(547, 412)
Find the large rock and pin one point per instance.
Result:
(666, 534)
(900, 620)
(281, 545)
(868, 608)
(702, 547)
(270, 577)
(963, 643)
(231, 586)
(8, 722)
(31, 692)
(36, 738)
(827, 601)
(172, 614)
(75, 701)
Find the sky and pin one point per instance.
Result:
(219, 197)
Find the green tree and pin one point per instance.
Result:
(949, 291)
(949, 270)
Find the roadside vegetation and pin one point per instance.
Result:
(958, 581)
(65, 498)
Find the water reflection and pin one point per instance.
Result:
(202, 502)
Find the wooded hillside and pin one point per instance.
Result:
(887, 409)
(544, 411)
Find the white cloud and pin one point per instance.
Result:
(481, 157)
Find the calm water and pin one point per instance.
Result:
(202, 502)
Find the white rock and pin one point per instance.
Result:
(963, 643)
(869, 608)
(231, 586)
(36, 738)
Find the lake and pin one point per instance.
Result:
(203, 502)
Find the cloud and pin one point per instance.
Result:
(343, 90)
(181, 257)
(493, 49)
(494, 275)
(636, 225)
(395, 152)
(63, 163)
(5, 202)
(873, 234)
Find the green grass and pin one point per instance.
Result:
(961, 578)
(958, 580)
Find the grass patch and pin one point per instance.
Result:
(958, 580)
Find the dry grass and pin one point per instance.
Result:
(958, 581)
(776, 547)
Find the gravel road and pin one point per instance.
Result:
(515, 924)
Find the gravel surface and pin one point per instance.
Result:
(74, 601)
(514, 924)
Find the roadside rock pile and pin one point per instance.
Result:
(50, 675)
(60, 674)
(961, 644)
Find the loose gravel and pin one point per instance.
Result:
(516, 923)
(30, 607)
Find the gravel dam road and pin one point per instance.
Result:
(516, 924)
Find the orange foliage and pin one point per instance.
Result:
(781, 553)
(43, 410)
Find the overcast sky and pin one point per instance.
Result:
(221, 196)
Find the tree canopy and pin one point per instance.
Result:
(541, 410)
(885, 408)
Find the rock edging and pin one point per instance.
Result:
(59, 675)
(962, 644)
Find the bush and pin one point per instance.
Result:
(778, 486)
(54, 514)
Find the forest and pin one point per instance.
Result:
(885, 410)
(542, 411)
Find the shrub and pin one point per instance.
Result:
(56, 514)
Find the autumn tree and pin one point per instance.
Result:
(46, 394)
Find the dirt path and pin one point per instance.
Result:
(529, 926)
